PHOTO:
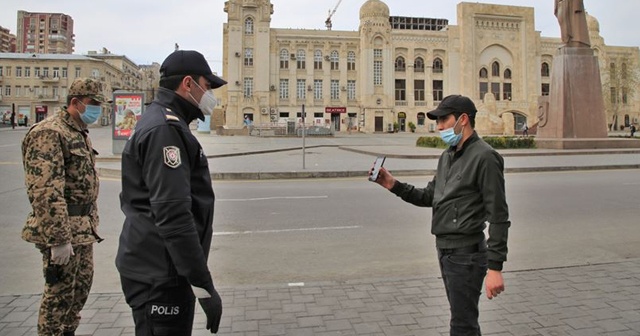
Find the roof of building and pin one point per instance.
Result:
(26, 56)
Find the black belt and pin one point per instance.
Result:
(464, 250)
(74, 210)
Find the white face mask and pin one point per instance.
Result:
(207, 102)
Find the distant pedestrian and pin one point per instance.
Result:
(467, 194)
(525, 130)
(62, 186)
(13, 119)
(632, 129)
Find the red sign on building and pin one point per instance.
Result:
(335, 110)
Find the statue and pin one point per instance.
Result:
(573, 22)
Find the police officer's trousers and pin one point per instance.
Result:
(160, 309)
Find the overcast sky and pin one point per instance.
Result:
(146, 31)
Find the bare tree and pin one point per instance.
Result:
(619, 86)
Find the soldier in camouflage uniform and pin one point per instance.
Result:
(62, 185)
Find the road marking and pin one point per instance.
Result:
(287, 230)
(270, 198)
(296, 284)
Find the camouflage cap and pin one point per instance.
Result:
(87, 87)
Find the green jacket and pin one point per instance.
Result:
(467, 192)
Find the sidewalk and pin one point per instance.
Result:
(578, 301)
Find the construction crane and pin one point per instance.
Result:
(331, 12)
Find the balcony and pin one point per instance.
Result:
(48, 98)
(47, 79)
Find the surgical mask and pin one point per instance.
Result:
(449, 136)
(91, 113)
(207, 102)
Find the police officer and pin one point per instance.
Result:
(168, 203)
(62, 186)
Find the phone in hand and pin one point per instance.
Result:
(376, 168)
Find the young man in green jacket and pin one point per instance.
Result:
(466, 194)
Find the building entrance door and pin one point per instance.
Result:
(335, 120)
(379, 124)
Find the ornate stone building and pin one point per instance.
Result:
(395, 69)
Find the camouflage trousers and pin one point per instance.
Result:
(65, 292)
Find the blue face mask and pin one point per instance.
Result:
(91, 113)
(449, 136)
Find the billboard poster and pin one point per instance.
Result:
(128, 108)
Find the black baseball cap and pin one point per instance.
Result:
(454, 104)
(189, 62)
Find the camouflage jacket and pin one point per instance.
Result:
(59, 169)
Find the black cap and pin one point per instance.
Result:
(453, 104)
(189, 62)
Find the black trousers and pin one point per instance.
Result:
(160, 309)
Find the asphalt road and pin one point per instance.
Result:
(279, 231)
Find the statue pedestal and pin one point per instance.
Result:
(576, 107)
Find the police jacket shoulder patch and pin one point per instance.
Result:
(171, 156)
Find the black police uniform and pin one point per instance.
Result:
(168, 202)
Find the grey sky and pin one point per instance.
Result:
(146, 32)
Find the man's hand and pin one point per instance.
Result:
(61, 254)
(211, 305)
(494, 284)
(385, 178)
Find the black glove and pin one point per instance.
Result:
(213, 309)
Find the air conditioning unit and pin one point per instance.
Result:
(309, 88)
(293, 57)
(237, 83)
(272, 88)
(264, 110)
(327, 58)
(343, 89)
(237, 54)
(273, 111)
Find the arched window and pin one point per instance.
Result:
(301, 57)
(284, 59)
(351, 60)
(544, 69)
(248, 26)
(335, 60)
(317, 60)
(400, 64)
(418, 65)
(507, 74)
(495, 69)
(437, 65)
(484, 73)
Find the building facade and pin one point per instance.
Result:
(7, 41)
(393, 70)
(44, 33)
(36, 85)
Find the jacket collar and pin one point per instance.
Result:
(71, 121)
(470, 140)
(180, 106)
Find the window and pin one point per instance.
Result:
(27, 72)
(317, 89)
(36, 71)
(301, 59)
(8, 71)
(377, 72)
(317, 60)
(1, 71)
(421, 118)
(438, 89)
(377, 53)
(624, 95)
(45, 72)
(95, 73)
(335, 60)
(437, 65)
(248, 26)
(545, 89)
(284, 59)
(418, 90)
(484, 88)
(495, 69)
(614, 94)
(506, 91)
(7, 91)
(484, 73)
(401, 90)
(284, 115)
(284, 89)
(401, 65)
(351, 61)
(248, 56)
(418, 65)
(351, 89)
(544, 69)
(18, 71)
(64, 72)
(56, 72)
(335, 89)
(78, 72)
(55, 91)
(507, 74)
(495, 89)
(18, 91)
(612, 70)
(248, 87)
(301, 90)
